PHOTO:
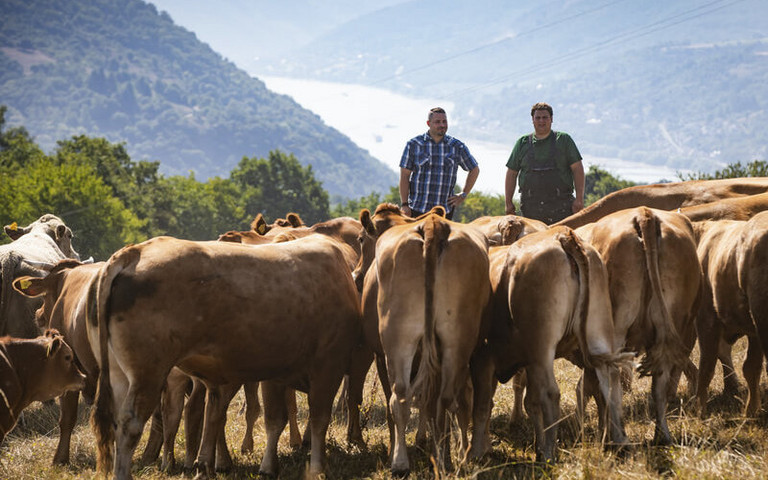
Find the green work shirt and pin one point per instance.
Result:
(567, 155)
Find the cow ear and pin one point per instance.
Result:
(29, 286)
(55, 344)
(13, 231)
(365, 219)
(259, 225)
(294, 219)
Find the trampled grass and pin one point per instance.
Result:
(725, 444)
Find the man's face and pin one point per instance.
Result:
(438, 125)
(542, 122)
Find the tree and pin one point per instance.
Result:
(278, 185)
(756, 168)
(100, 222)
(599, 183)
(16, 146)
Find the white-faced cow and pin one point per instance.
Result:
(654, 279)
(37, 369)
(550, 299)
(35, 247)
(224, 313)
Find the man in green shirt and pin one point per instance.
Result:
(548, 166)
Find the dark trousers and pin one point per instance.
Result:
(548, 210)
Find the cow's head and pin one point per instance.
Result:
(48, 287)
(49, 225)
(60, 372)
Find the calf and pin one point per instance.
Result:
(37, 369)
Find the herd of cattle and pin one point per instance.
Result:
(447, 310)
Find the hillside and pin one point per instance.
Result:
(119, 69)
(679, 84)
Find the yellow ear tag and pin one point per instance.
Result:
(14, 226)
(262, 229)
(25, 284)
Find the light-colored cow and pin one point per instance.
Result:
(37, 369)
(432, 285)
(654, 278)
(550, 299)
(734, 259)
(35, 247)
(505, 229)
(225, 313)
(667, 196)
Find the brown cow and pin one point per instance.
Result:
(225, 313)
(35, 248)
(505, 229)
(432, 287)
(550, 299)
(261, 232)
(733, 257)
(739, 208)
(654, 278)
(64, 292)
(667, 196)
(37, 369)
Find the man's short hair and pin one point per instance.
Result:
(432, 111)
(542, 106)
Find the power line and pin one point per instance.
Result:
(621, 38)
(494, 44)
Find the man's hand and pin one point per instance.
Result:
(577, 205)
(406, 209)
(456, 200)
(511, 210)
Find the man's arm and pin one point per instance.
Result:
(578, 182)
(509, 190)
(455, 200)
(405, 190)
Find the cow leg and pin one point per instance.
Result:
(484, 385)
(709, 332)
(322, 391)
(518, 390)
(464, 416)
(589, 387)
(730, 379)
(297, 440)
(67, 421)
(275, 418)
(155, 440)
(542, 402)
(172, 409)
(359, 366)
(381, 370)
(252, 411)
(223, 458)
(193, 422)
(752, 368)
(609, 381)
(140, 401)
(206, 456)
(660, 390)
(399, 369)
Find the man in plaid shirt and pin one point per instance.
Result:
(428, 169)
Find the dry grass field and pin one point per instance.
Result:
(724, 445)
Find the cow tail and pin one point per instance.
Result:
(575, 250)
(666, 348)
(103, 415)
(436, 233)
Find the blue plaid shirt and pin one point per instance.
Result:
(433, 169)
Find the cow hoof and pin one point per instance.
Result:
(401, 473)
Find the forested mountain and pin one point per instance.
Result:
(680, 84)
(121, 70)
